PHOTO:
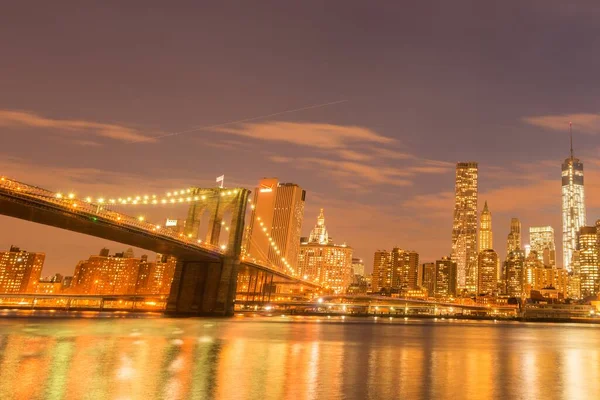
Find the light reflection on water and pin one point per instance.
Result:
(274, 358)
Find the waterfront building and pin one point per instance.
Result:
(446, 275)
(358, 266)
(540, 277)
(427, 278)
(395, 271)
(487, 272)
(382, 271)
(122, 273)
(155, 277)
(406, 265)
(588, 261)
(273, 233)
(20, 270)
(320, 260)
(573, 204)
(50, 284)
(486, 237)
(464, 227)
(513, 241)
(541, 240)
(513, 273)
(574, 280)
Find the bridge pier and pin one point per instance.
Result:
(203, 288)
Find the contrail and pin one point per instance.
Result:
(200, 128)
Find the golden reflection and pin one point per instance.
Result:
(266, 358)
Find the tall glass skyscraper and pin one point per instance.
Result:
(541, 240)
(464, 227)
(573, 205)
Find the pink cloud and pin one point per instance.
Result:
(582, 122)
(322, 136)
(111, 131)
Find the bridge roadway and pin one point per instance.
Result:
(375, 304)
(205, 276)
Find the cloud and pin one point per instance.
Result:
(12, 118)
(353, 156)
(280, 159)
(321, 136)
(587, 123)
(87, 143)
(353, 171)
(391, 154)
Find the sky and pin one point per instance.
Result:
(367, 105)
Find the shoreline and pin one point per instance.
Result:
(310, 317)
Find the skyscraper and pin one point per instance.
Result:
(395, 271)
(513, 273)
(464, 227)
(427, 277)
(488, 272)
(382, 271)
(322, 261)
(541, 240)
(513, 242)
(20, 270)
(406, 266)
(573, 204)
(588, 261)
(273, 233)
(486, 237)
(445, 278)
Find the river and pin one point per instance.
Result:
(295, 358)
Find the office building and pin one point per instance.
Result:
(446, 274)
(487, 272)
(588, 261)
(20, 270)
(273, 233)
(513, 273)
(513, 241)
(406, 266)
(486, 237)
(540, 277)
(358, 266)
(395, 271)
(573, 204)
(426, 278)
(320, 260)
(464, 227)
(541, 240)
(382, 271)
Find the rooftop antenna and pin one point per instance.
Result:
(571, 136)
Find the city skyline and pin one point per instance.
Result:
(377, 153)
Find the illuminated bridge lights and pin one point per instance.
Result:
(94, 210)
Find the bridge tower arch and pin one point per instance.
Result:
(208, 287)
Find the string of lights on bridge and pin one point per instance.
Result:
(174, 197)
(179, 197)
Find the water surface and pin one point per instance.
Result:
(285, 358)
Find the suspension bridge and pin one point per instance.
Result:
(208, 265)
